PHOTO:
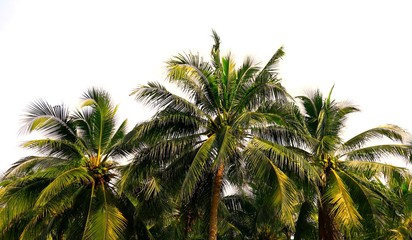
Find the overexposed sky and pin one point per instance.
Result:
(55, 50)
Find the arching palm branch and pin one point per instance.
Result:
(213, 121)
(66, 192)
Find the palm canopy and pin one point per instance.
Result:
(213, 120)
(66, 191)
(349, 192)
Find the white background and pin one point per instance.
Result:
(55, 50)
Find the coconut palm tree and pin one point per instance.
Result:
(349, 194)
(67, 191)
(212, 122)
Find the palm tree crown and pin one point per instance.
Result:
(348, 170)
(213, 122)
(66, 191)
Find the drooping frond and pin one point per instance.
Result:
(166, 126)
(58, 148)
(391, 132)
(376, 169)
(379, 152)
(30, 164)
(261, 153)
(343, 208)
(198, 167)
(285, 196)
(370, 203)
(75, 175)
(17, 199)
(266, 169)
(226, 146)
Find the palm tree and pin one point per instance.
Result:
(349, 193)
(212, 122)
(67, 191)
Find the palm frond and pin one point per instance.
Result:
(75, 175)
(32, 163)
(392, 132)
(118, 145)
(195, 77)
(371, 204)
(227, 144)
(198, 167)
(252, 96)
(50, 120)
(260, 153)
(380, 152)
(106, 221)
(18, 199)
(56, 147)
(376, 169)
(284, 196)
(156, 95)
(264, 168)
(215, 52)
(342, 206)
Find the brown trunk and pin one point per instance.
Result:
(327, 227)
(214, 205)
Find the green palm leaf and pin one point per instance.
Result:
(198, 167)
(342, 205)
(375, 169)
(373, 153)
(43, 196)
(392, 132)
(51, 120)
(105, 220)
(75, 175)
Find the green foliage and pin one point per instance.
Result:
(233, 129)
(348, 190)
(65, 191)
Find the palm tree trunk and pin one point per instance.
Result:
(327, 227)
(214, 205)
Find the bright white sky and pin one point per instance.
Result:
(55, 50)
